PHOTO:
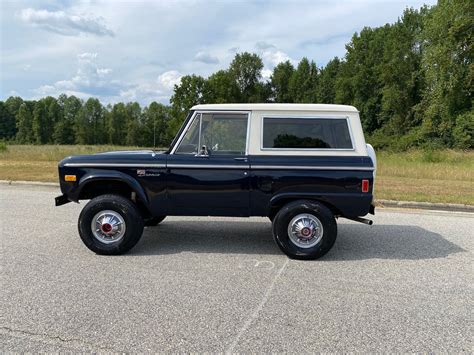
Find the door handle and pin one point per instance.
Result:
(242, 159)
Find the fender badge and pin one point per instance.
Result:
(141, 172)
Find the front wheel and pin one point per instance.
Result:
(110, 225)
(154, 221)
(304, 229)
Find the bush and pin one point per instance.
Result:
(3, 146)
(463, 131)
(431, 155)
(381, 140)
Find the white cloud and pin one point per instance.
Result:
(266, 74)
(160, 89)
(205, 57)
(66, 24)
(155, 42)
(274, 57)
(103, 71)
(271, 57)
(90, 79)
(87, 56)
(168, 80)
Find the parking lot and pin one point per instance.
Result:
(222, 285)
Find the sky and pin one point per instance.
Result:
(121, 51)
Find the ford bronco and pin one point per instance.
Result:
(300, 165)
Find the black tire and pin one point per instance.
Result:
(128, 211)
(293, 209)
(154, 221)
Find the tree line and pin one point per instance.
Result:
(70, 120)
(411, 80)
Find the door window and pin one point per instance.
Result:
(219, 133)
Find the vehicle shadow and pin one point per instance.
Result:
(354, 242)
(237, 237)
(395, 242)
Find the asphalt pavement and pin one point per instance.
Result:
(404, 284)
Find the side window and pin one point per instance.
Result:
(190, 142)
(224, 133)
(306, 133)
(221, 133)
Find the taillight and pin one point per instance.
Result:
(365, 185)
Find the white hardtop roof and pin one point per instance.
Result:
(276, 107)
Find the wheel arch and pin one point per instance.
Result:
(278, 201)
(111, 182)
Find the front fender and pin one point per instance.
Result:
(101, 175)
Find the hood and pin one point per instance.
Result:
(121, 157)
(126, 152)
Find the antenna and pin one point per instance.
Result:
(154, 132)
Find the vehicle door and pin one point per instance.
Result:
(208, 169)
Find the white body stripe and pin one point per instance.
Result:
(209, 166)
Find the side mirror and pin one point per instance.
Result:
(203, 152)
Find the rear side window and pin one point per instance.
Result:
(306, 133)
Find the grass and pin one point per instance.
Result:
(432, 176)
(40, 162)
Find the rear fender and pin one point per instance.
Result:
(341, 204)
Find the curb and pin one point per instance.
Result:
(450, 207)
(31, 183)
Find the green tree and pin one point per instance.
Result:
(448, 67)
(280, 82)
(303, 82)
(12, 105)
(222, 88)
(117, 124)
(358, 82)
(90, 127)
(7, 122)
(192, 90)
(64, 127)
(155, 122)
(400, 73)
(40, 123)
(326, 90)
(134, 123)
(25, 123)
(246, 72)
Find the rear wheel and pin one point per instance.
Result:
(110, 225)
(304, 229)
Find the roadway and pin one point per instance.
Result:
(222, 285)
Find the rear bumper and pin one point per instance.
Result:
(61, 200)
(372, 209)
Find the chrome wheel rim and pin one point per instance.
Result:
(108, 226)
(305, 230)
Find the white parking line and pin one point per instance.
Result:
(257, 310)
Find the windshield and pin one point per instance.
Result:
(175, 139)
